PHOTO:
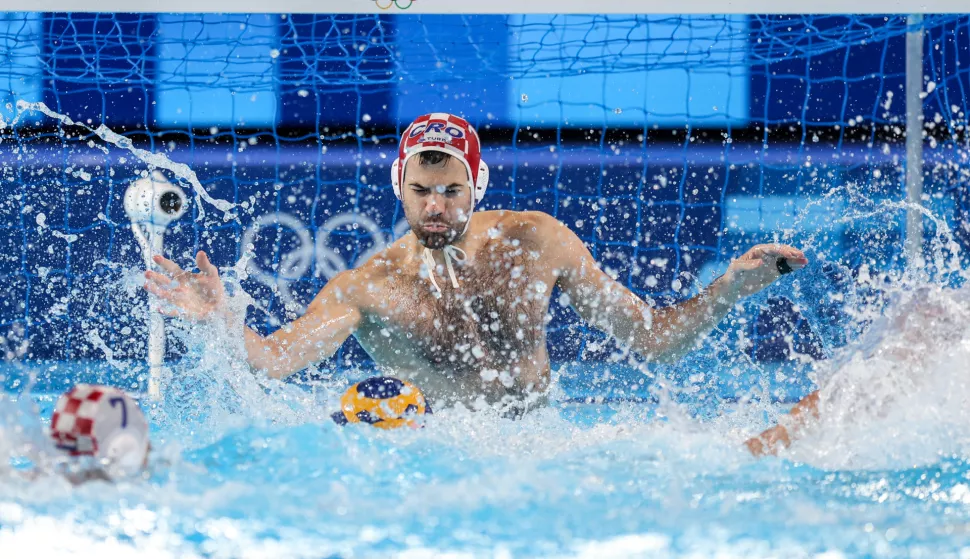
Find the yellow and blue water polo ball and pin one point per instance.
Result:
(384, 402)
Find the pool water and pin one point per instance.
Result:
(573, 480)
(255, 468)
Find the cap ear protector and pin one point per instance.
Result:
(481, 182)
(448, 134)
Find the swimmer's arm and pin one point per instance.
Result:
(663, 334)
(656, 334)
(679, 327)
(331, 317)
(329, 320)
(779, 437)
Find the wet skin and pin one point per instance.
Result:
(485, 339)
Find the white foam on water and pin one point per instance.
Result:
(26, 535)
(900, 398)
(217, 390)
(31, 536)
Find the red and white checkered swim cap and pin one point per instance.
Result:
(103, 422)
(449, 134)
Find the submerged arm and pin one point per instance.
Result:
(779, 437)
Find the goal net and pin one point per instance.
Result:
(669, 144)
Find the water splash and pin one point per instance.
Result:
(217, 390)
(158, 160)
(245, 433)
(899, 398)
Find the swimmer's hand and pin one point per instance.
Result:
(801, 415)
(759, 267)
(194, 296)
(769, 442)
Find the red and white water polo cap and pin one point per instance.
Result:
(447, 133)
(103, 422)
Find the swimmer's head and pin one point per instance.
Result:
(105, 423)
(441, 186)
(436, 198)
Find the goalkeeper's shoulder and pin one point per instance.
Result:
(535, 225)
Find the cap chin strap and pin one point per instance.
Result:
(451, 252)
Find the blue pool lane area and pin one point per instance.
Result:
(621, 479)
(608, 470)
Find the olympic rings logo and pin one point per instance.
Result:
(295, 263)
(398, 3)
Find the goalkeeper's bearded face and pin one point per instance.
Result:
(437, 198)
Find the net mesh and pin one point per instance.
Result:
(669, 144)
